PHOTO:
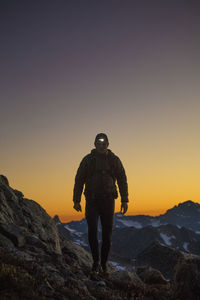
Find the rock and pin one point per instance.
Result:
(6, 243)
(18, 215)
(186, 281)
(15, 234)
(122, 275)
(18, 194)
(159, 257)
(4, 180)
(76, 254)
(57, 220)
(126, 276)
(151, 276)
(33, 240)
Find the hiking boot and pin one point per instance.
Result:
(95, 268)
(104, 270)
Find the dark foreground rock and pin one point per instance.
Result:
(161, 258)
(186, 283)
(151, 276)
(38, 263)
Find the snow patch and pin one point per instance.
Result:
(185, 246)
(119, 215)
(117, 266)
(131, 223)
(78, 233)
(81, 243)
(68, 228)
(166, 239)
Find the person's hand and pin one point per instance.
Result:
(77, 206)
(124, 207)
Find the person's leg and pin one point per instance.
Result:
(107, 215)
(91, 214)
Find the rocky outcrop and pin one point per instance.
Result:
(24, 222)
(38, 263)
(159, 257)
(186, 281)
(151, 276)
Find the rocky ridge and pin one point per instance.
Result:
(36, 262)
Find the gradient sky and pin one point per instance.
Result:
(72, 69)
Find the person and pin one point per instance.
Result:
(99, 171)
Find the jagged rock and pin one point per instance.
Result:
(6, 243)
(15, 234)
(151, 276)
(4, 180)
(186, 281)
(19, 215)
(33, 240)
(18, 194)
(76, 254)
(57, 220)
(126, 276)
(159, 257)
(64, 232)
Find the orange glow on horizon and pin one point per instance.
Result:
(78, 216)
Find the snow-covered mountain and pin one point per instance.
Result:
(129, 242)
(186, 214)
(178, 228)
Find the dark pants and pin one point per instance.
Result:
(104, 208)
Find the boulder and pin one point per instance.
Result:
(186, 281)
(151, 276)
(159, 257)
(13, 233)
(125, 276)
(4, 180)
(24, 221)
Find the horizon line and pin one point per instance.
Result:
(70, 218)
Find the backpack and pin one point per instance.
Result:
(92, 166)
(91, 170)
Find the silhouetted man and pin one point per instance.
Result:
(99, 171)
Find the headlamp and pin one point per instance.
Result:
(101, 140)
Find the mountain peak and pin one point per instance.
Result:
(189, 203)
(57, 219)
(4, 180)
(185, 206)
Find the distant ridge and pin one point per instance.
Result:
(178, 228)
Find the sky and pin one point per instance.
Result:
(72, 69)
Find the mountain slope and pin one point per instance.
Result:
(37, 263)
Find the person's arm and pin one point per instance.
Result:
(122, 184)
(121, 181)
(79, 181)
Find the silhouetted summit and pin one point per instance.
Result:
(57, 219)
(187, 207)
(185, 214)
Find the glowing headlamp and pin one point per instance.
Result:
(101, 140)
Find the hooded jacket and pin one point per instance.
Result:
(99, 173)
